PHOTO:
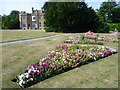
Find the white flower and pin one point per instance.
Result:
(58, 53)
(21, 82)
(94, 58)
(29, 70)
(27, 75)
(21, 76)
(63, 59)
(34, 70)
(40, 63)
(37, 71)
(52, 51)
(31, 79)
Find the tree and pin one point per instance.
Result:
(70, 17)
(11, 21)
(115, 15)
(14, 12)
(105, 10)
(109, 14)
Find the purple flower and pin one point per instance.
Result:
(30, 66)
(40, 70)
(50, 67)
(38, 73)
(33, 65)
(30, 76)
(46, 65)
(33, 73)
(83, 49)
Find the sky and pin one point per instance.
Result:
(6, 6)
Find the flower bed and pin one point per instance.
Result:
(102, 38)
(89, 33)
(116, 33)
(63, 58)
(82, 40)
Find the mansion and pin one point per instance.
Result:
(34, 20)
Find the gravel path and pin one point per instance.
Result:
(29, 40)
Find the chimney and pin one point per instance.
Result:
(32, 10)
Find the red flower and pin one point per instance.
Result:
(67, 63)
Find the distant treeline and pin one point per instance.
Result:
(11, 21)
(73, 17)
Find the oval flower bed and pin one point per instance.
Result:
(82, 40)
(102, 38)
(61, 59)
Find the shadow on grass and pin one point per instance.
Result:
(38, 79)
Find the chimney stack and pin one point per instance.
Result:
(32, 10)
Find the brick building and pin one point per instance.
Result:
(34, 20)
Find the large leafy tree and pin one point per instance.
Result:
(70, 17)
(11, 21)
(115, 15)
(105, 10)
(109, 14)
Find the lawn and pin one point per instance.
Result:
(100, 74)
(14, 35)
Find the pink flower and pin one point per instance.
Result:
(73, 66)
(77, 60)
(31, 66)
(94, 58)
(30, 76)
(73, 57)
(54, 68)
(38, 73)
(39, 67)
(64, 66)
(67, 56)
(76, 64)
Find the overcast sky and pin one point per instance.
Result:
(6, 6)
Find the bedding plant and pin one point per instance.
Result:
(83, 40)
(64, 57)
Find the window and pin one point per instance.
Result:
(39, 18)
(28, 25)
(33, 18)
(40, 24)
(24, 24)
(24, 18)
(34, 25)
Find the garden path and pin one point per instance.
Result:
(29, 40)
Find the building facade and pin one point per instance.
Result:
(34, 20)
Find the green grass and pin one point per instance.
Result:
(16, 35)
(100, 74)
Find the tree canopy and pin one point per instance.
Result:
(70, 17)
(11, 21)
(115, 15)
(109, 12)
